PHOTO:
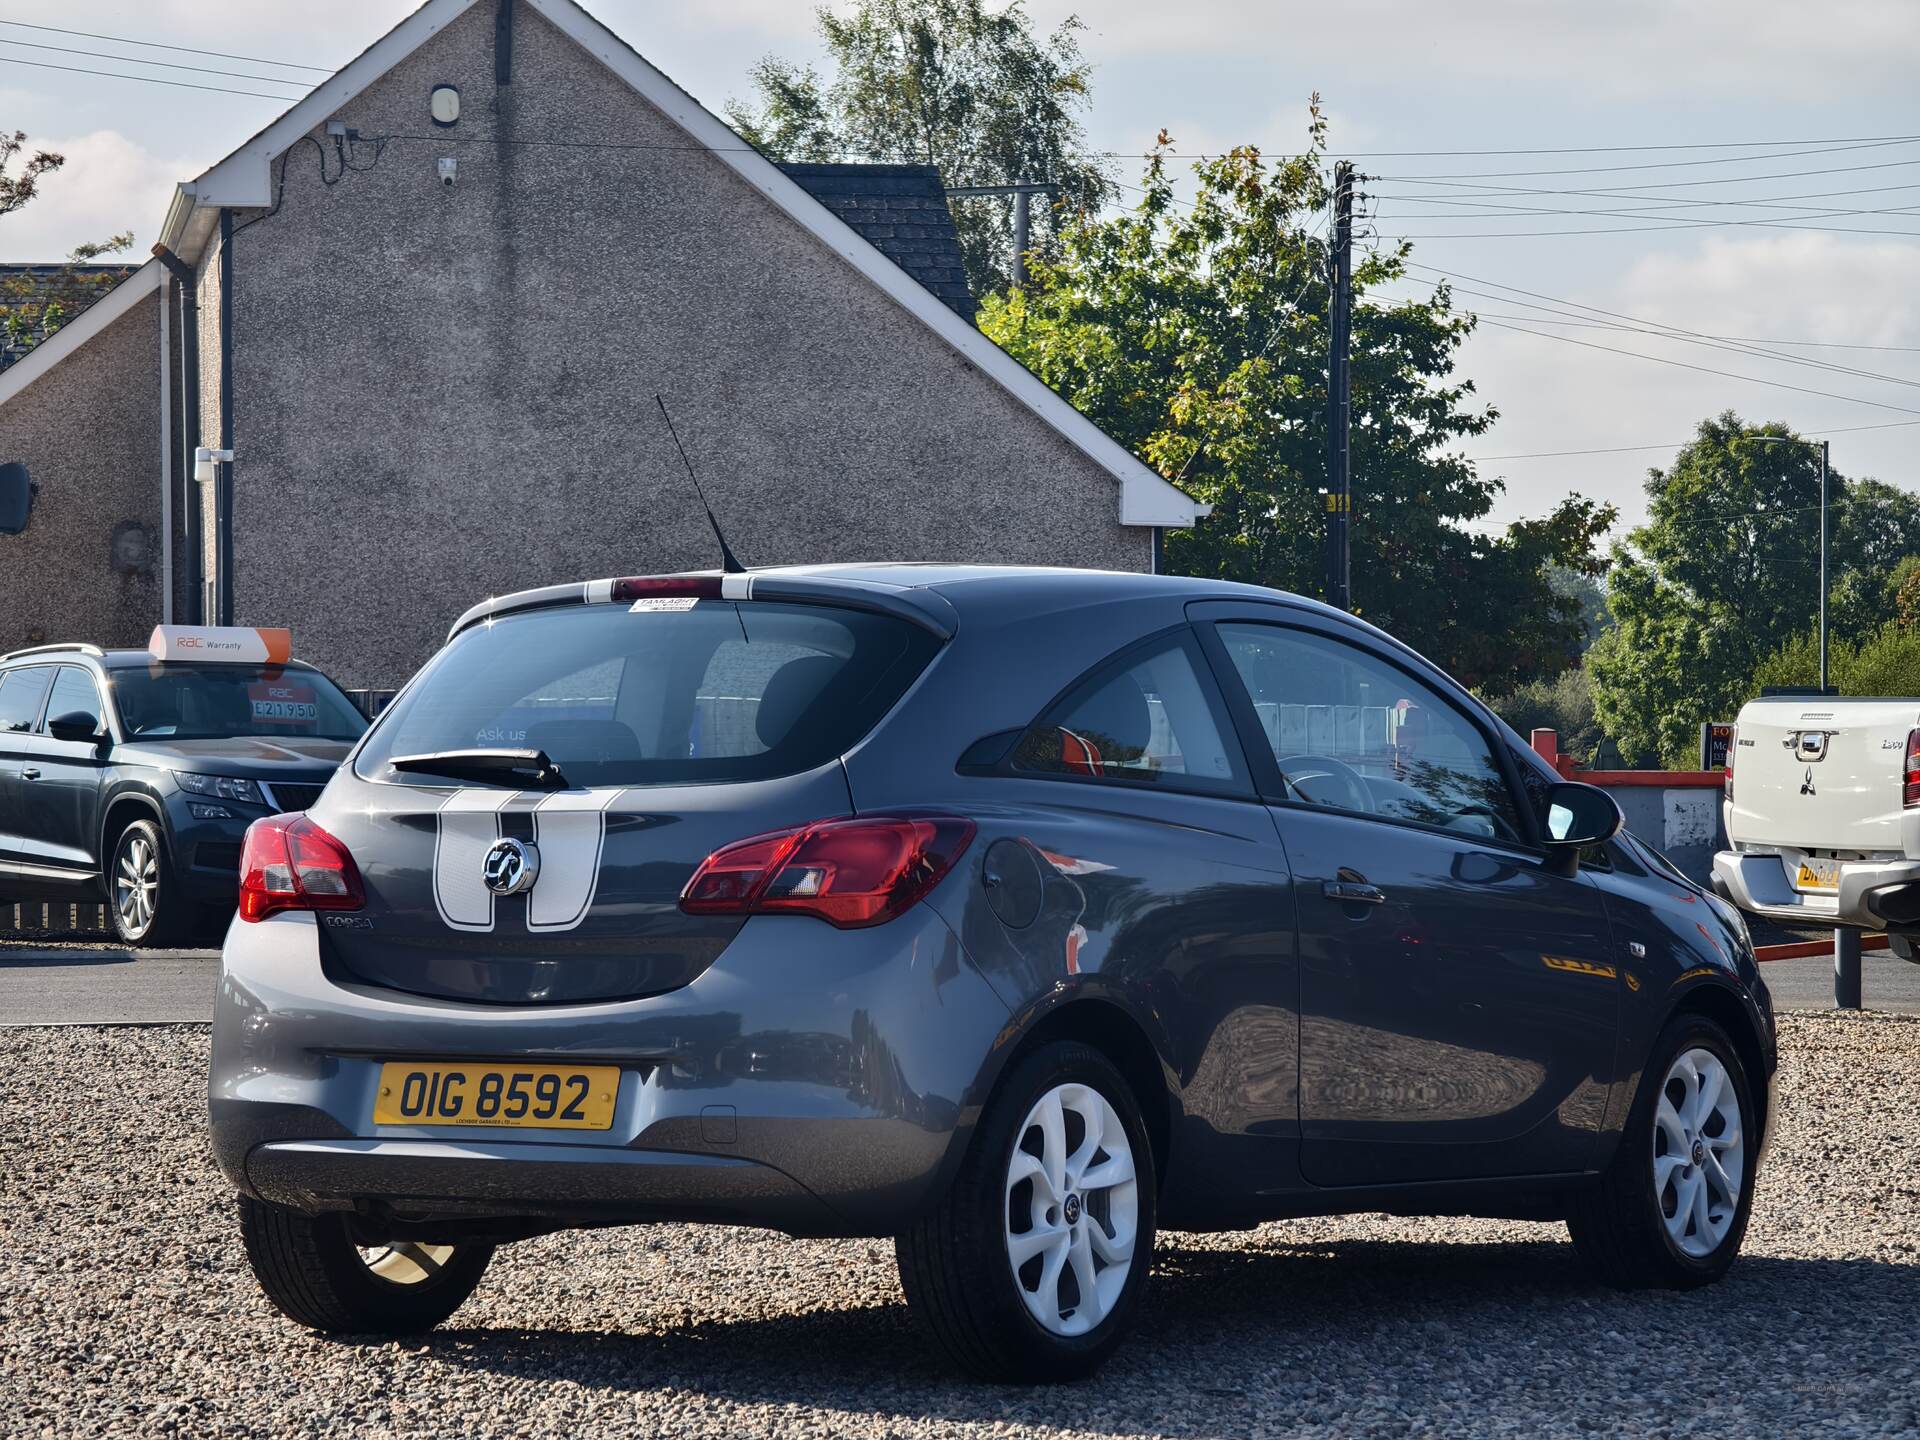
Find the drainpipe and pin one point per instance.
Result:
(188, 284)
(223, 481)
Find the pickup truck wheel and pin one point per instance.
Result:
(140, 889)
(1672, 1208)
(315, 1273)
(1031, 1268)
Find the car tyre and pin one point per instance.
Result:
(142, 898)
(1660, 1217)
(316, 1274)
(1057, 1185)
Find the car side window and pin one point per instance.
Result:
(74, 693)
(21, 692)
(1146, 716)
(1352, 732)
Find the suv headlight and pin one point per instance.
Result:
(226, 787)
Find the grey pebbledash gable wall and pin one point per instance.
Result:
(448, 393)
(89, 431)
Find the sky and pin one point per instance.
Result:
(1695, 111)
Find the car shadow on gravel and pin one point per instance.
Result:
(1289, 1327)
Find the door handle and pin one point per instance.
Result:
(30, 773)
(1353, 892)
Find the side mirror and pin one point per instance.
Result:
(1581, 815)
(76, 725)
(16, 498)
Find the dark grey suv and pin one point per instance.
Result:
(1013, 914)
(133, 781)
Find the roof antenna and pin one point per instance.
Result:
(728, 562)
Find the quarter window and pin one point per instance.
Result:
(1351, 732)
(1146, 718)
(21, 692)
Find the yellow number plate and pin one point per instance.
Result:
(536, 1097)
(1818, 875)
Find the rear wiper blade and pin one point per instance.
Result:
(498, 767)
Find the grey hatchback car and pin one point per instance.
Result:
(1012, 914)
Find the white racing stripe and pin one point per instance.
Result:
(469, 824)
(570, 829)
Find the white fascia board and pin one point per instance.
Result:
(143, 284)
(244, 180)
(1145, 498)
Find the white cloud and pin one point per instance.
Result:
(109, 183)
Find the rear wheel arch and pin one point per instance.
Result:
(1115, 1033)
(1722, 1006)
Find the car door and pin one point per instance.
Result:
(1459, 997)
(1128, 805)
(62, 801)
(23, 691)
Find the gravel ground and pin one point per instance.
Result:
(126, 1307)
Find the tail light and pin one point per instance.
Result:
(1733, 744)
(1910, 772)
(646, 587)
(850, 873)
(290, 863)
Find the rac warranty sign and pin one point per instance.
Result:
(231, 644)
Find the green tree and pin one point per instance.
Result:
(1884, 661)
(16, 189)
(950, 83)
(1195, 334)
(1726, 571)
(1564, 705)
(32, 307)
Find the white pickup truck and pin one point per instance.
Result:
(1823, 814)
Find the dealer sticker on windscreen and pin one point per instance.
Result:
(1822, 876)
(277, 704)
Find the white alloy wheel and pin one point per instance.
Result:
(1699, 1152)
(405, 1262)
(136, 885)
(1072, 1209)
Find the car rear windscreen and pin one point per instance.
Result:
(218, 702)
(714, 692)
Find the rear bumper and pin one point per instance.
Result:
(1872, 895)
(812, 1080)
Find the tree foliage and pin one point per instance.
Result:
(1196, 335)
(1564, 705)
(1726, 571)
(32, 307)
(19, 187)
(1883, 661)
(951, 83)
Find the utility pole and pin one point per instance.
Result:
(1022, 193)
(1823, 575)
(1340, 394)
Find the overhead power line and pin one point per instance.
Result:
(1623, 149)
(1669, 444)
(149, 79)
(163, 64)
(156, 45)
(1667, 164)
(1569, 307)
(1706, 369)
(1660, 331)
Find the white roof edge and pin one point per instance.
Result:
(245, 180)
(88, 323)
